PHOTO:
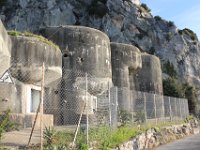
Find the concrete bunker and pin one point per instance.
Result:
(24, 79)
(149, 79)
(86, 58)
(5, 47)
(126, 61)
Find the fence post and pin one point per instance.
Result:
(41, 108)
(170, 109)
(176, 109)
(110, 108)
(145, 107)
(116, 104)
(154, 101)
(86, 98)
(180, 107)
(184, 103)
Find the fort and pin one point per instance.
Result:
(83, 51)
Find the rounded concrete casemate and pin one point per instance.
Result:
(86, 52)
(126, 61)
(28, 55)
(149, 78)
(5, 47)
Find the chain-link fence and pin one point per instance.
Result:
(74, 106)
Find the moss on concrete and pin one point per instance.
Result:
(29, 34)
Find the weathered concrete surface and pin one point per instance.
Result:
(189, 143)
(86, 59)
(149, 78)
(5, 47)
(85, 50)
(8, 97)
(28, 54)
(126, 61)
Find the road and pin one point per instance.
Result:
(188, 143)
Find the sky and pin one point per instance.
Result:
(185, 14)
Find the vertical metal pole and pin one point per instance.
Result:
(180, 106)
(175, 109)
(116, 105)
(41, 108)
(184, 108)
(145, 107)
(110, 113)
(170, 109)
(86, 97)
(154, 101)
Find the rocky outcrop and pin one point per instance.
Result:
(5, 47)
(155, 137)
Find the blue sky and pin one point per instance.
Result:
(185, 14)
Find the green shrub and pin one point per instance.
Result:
(191, 95)
(168, 36)
(173, 88)
(188, 32)
(6, 124)
(170, 23)
(169, 69)
(157, 18)
(140, 117)
(125, 117)
(145, 7)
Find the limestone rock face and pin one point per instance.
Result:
(28, 55)
(5, 47)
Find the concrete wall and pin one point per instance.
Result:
(149, 78)
(85, 50)
(126, 61)
(8, 97)
(28, 54)
(5, 47)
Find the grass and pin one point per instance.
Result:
(107, 138)
(29, 34)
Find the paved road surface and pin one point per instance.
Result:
(189, 143)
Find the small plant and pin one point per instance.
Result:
(157, 18)
(125, 117)
(145, 7)
(188, 32)
(140, 117)
(168, 36)
(169, 69)
(49, 136)
(83, 146)
(170, 23)
(6, 124)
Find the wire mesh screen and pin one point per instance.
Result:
(78, 104)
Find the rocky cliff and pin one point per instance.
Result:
(124, 21)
